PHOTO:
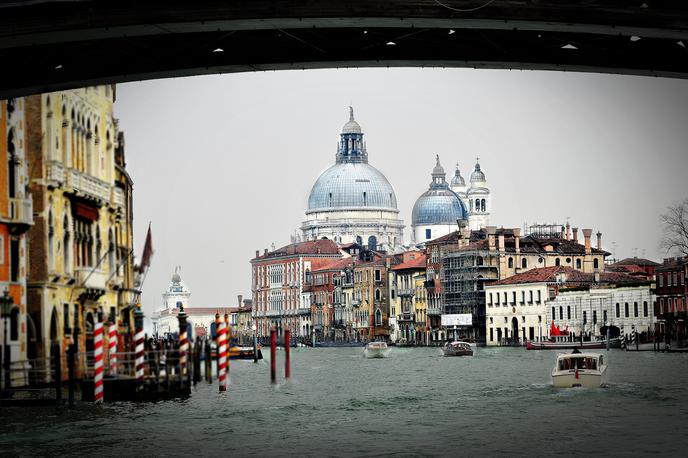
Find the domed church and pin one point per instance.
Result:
(438, 210)
(352, 201)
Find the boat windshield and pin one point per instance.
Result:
(578, 363)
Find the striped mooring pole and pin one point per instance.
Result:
(183, 344)
(139, 338)
(98, 353)
(112, 347)
(273, 355)
(221, 353)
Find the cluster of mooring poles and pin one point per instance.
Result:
(122, 366)
(273, 355)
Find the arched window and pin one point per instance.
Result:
(596, 263)
(482, 205)
(377, 294)
(372, 243)
(578, 263)
(11, 165)
(511, 263)
(14, 324)
(524, 263)
(557, 262)
(378, 317)
(359, 240)
(479, 261)
(66, 247)
(51, 241)
(477, 205)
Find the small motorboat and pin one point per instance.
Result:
(577, 369)
(376, 350)
(457, 348)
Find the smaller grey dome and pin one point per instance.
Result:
(477, 174)
(439, 204)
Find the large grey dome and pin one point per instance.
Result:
(352, 185)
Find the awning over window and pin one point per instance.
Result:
(85, 211)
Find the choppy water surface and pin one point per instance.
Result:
(415, 402)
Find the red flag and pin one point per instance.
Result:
(147, 251)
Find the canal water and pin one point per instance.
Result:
(413, 403)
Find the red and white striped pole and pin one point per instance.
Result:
(98, 353)
(183, 344)
(222, 355)
(112, 348)
(139, 338)
(228, 339)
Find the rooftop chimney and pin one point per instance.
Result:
(599, 240)
(575, 234)
(587, 233)
(568, 231)
(265, 252)
(240, 297)
(491, 236)
(257, 253)
(517, 239)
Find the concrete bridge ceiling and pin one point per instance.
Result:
(49, 45)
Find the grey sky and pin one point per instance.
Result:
(222, 165)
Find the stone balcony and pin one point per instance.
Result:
(118, 198)
(405, 292)
(434, 311)
(88, 186)
(55, 173)
(90, 278)
(21, 213)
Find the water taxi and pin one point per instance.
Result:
(457, 348)
(376, 350)
(587, 370)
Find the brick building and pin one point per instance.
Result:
(672, 300)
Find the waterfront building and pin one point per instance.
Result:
(352, 201)
(371, 299)
(279, 298)
(613, 300)
(410, 306)
(438, 211)
(325, 286)
(672, 300)
(490, 254)
(16, 218)
(525, 306)
(80, 244)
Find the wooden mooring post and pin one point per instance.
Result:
(57, 363)
(273, 355)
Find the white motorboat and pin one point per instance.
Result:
(376, 350)
(457, 348)
(587, 370)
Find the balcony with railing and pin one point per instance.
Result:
(118, 198)
(88, 186)
(55, 173)
(21, 211)
(406, 292)
(434, 311)
(90, 278)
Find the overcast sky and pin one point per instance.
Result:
(222, 165)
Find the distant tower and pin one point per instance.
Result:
(177, 293)
(478, 196)
(458, 185)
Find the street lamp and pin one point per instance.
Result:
(6, 304)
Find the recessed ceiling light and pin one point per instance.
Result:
(218, 50)
(58, 66)
(680, 43)
(635, 38)
(451, 31)
(364, 32)
(391, 43)
(568, 46)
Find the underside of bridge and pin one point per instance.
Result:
(49, 45)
